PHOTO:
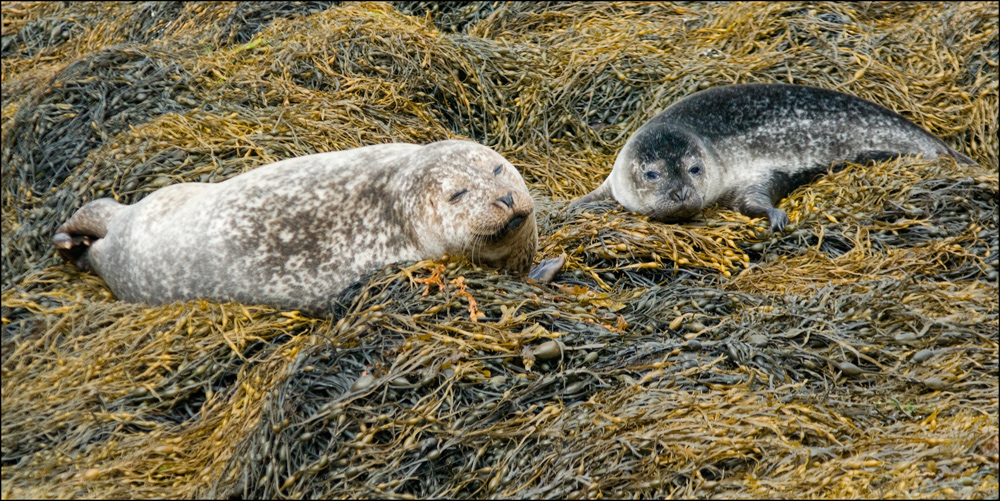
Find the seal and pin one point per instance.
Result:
(748, 146)
(295, 233)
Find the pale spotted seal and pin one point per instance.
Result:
(747, 146)
(295, 233)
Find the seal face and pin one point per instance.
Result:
(295, 233)
(747, 146)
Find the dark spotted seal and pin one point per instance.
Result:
(295, 233)
(747, 146)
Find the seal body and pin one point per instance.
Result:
(295, 233)
(747, 146)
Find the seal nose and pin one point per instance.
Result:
(507, 200)
(681, 194)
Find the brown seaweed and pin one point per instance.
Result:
(854, 355)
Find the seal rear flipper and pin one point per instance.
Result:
(878, 156)
(603, 192)
(960, 158)
(89, 224)
(73, 248)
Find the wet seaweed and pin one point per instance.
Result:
(854, 355)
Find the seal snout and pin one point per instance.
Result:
(507, 200)
(676, 205)
(681, 194)
(516, 221)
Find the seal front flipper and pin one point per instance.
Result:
(87, 225)
(546, 270)
(755, 202)
(603, 192)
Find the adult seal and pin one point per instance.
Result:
(748, 146)
(295, 233)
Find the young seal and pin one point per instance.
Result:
(295, 233)
(747, 146)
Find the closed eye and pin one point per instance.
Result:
(498, 170)
(457, 195)
(652, 175)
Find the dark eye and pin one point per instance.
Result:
(457, 195)
(498, 170)
(652, 175)
(695, 170)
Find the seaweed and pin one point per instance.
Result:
(854, 355)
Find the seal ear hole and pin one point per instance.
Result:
(498, 170)
(652, 175)
(457, 195)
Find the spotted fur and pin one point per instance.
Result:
(295, 233)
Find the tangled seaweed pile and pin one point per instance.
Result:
(853, 356)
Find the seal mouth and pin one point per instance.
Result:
(515, 223)
(677, 212)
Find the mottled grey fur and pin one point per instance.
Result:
(295, 233)
(747, 146)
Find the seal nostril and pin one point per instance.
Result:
(507, 200)
(680, 195)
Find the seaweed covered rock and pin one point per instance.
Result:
(853, 356)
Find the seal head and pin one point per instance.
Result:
(473, 203)
(665, 172)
